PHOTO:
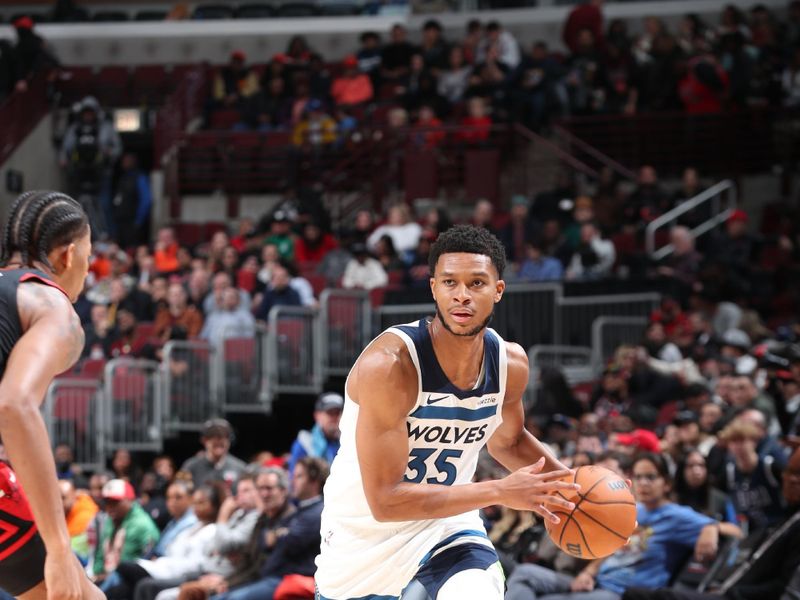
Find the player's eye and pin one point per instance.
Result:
(477, 283)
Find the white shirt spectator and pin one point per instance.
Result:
(367, 275)
(405, 237)
(604, 252)
(304, 289)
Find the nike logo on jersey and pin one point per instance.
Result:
(432, 400)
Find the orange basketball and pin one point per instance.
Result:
(603, 518)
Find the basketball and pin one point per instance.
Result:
(603, 518)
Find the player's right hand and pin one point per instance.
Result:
(65, 579)
(530, 489)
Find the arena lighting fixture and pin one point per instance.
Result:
(127, 120)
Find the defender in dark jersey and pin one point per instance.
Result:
(43, 265)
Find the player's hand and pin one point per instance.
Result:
(530, 489)
(65, 579)
(583, 582)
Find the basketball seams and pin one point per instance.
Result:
(603, 525)
(577, 504)
(572, 517)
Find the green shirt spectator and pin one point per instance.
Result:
(129, 532)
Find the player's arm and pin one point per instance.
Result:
(52, 342)
(385, 387)
(512, 445)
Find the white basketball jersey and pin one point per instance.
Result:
(447, 428)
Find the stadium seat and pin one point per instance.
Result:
(110, 16)
(93, 368)
(73, 405)
(150, 15)
(150, 84)
(339, 9)
(297, 9)
(255, 11)
(224, 119)
(318, 283)
(213, 11)
(113, 86)
(74, 84)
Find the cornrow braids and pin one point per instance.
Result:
(12, 226)
(38, 222)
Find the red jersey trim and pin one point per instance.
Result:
(44, 280)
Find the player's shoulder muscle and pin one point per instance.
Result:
(385, 369)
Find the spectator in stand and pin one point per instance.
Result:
(537, 266)
(704, 86)
(489, 78)
(369, 56)
(665, 532)
(471, 41)
(233, 321)
(314, 243)
(189, 552)
(353, 87)
(322, 440)
(64, 457)
(79, 510)
(214, 300)
(454, 78)
(790, 81)
(418, 274)
(177, 313)
(32, 54)
(752, 481)
(770, 568)
(483, 216)
(434, 48)
(396, 55)
(268, 110)
(537, 88)
(404, 232)
(166, 251)
(386, 254)
(179, 506)
(648, 200)
(316, 130)
(280, 293)
(127, 534)
(100, 335)
(215, 463)
(690, 187)
(427, 133)
(300, 284)
(272, 485)
(734, 247)
(363, 271)
(234, 83)
(131, 203)
(8, 69)
(477, 125)
(293, 548)
(683, 264)
(588, 15)
(693, 488)
(594, 257)
(280, 234)
(508, 52)
(521, 227)
(587, 77)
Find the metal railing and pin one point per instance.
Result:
(191, 386)
(610, 332)
(712, 195)
(241, 370)
(389, 315)
(346, 327)
(528, 313)
(73, 413)
(578, 313)
(294, 352)
(575, 362)
(134, 404)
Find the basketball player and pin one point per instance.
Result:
(421, 401)
(45, 259)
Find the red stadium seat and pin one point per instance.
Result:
(224, 119)
(93, 368)
(150, 83)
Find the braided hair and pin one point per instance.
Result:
(38, 222)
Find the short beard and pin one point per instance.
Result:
(472, 332)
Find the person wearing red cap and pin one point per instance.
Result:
(734, 247)
(353, 87)
(638, 440)
(235, 82)
(128, 533)
(31, 53)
